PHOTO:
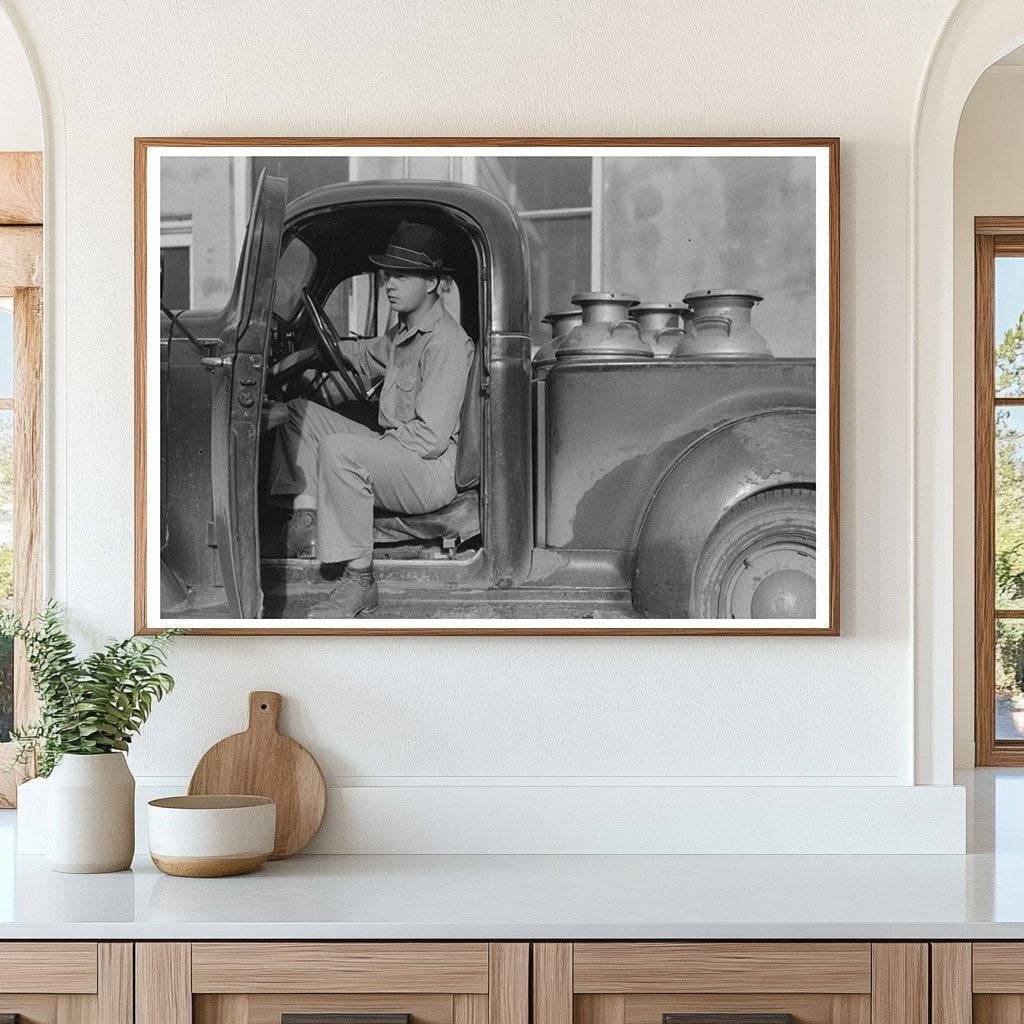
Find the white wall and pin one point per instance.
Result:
(988, 181)
(387, 715)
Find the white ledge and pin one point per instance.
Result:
(441, 818)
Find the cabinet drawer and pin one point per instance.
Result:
(262, 982)
(48, 967)
(735, 982)
(339, 967)
(66, 982)
(998, 967)
(629, 967)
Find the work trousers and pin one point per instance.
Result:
(347, 470)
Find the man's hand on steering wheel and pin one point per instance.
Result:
(328, 346)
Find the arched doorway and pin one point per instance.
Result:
(976, 34)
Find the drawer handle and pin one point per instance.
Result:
(728, 1018)
(340, 1018)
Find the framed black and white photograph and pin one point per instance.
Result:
(487, 385)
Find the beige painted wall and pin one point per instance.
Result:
(988, 181)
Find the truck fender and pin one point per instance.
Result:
(758, 453)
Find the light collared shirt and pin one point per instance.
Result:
(425, 365)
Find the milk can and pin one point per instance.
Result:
(686, 320)
(561, 323)
(721, 326)
(607, 331)
(659, 325)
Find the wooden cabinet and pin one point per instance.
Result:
(650, 982)
(66, 982)
(260, 982)
(496, 983)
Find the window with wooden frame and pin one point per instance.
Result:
(999, 491)
(21, 366)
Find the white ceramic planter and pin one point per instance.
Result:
(90, 814)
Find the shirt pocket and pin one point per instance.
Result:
(407, 387)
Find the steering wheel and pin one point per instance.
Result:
(327, 341)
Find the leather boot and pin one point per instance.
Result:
(300, 534)
(356, 594)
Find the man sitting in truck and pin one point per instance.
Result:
(340, 470)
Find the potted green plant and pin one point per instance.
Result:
(89, 709)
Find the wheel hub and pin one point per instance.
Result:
(774, 581)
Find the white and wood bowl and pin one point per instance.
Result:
(211, 836)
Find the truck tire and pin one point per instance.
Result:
(758, 562)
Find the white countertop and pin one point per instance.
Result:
(532, 897)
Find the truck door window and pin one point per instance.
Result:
(294, 270)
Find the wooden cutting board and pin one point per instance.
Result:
(262, 762)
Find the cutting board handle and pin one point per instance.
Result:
(264, 710)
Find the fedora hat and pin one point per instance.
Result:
(414, 248)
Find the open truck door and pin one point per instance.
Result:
(238, 371)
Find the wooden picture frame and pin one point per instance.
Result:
(148, 152)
